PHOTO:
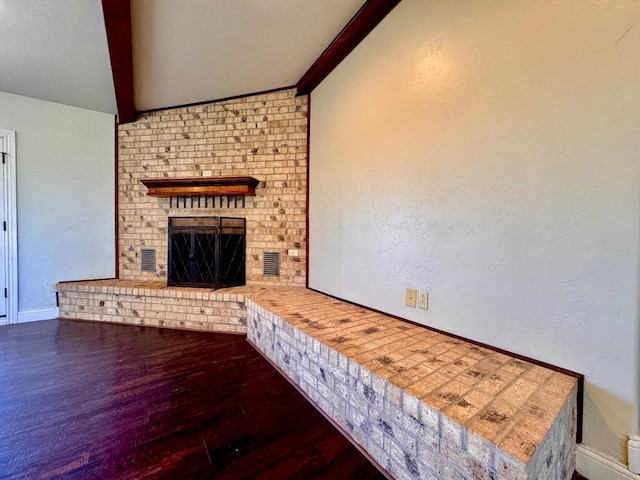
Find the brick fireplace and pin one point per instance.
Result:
(262, 136)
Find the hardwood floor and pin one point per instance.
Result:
(97, 401)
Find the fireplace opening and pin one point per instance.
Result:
(206, 252)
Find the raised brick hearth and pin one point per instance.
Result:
(420, 403)
(154, 304)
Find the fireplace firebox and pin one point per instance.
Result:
(207, 252)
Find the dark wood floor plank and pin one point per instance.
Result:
(83, 400)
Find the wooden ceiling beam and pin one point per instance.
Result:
(367, 18)
(117, 20)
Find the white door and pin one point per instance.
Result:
(8, 229)
(3, 230)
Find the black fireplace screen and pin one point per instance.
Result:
(206, 252)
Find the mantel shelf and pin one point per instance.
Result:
(191, 187)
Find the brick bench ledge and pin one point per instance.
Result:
(421, 404)
(152, 303)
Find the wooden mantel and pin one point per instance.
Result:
(190, 187)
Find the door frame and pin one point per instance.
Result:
(10, 243)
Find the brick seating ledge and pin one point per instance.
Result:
(420, 404)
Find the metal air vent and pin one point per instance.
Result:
(147, 260)
(271, 264)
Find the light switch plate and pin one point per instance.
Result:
(423, 300)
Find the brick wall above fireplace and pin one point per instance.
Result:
(263, 136)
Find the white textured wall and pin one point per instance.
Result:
(489, 152)
(65, 183)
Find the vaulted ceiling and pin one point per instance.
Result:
(178, 52)
(56, 50)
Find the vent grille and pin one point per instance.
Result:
(271, 264)
(147, 260)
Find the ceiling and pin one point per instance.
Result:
(185, 51)
(56, 50)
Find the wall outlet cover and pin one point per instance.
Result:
(410, 297)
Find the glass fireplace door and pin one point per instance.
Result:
(206, 252)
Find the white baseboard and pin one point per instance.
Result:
(37, 315)
(595, 466)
